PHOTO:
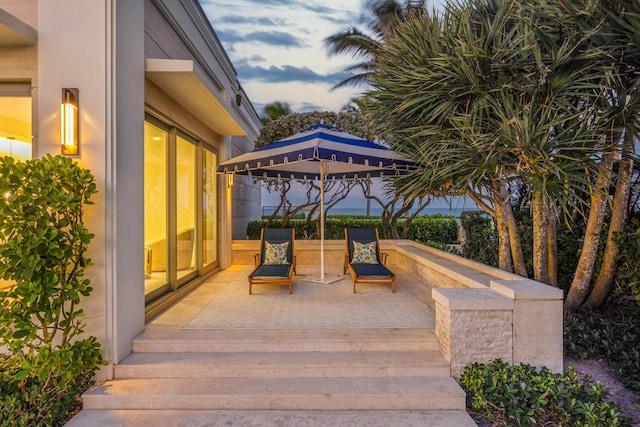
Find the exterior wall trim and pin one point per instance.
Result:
(14, 32)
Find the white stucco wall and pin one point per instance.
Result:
(97, 47)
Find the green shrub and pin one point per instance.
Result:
(627, 289)
(521, 396)
(43, 242)
(439, 229)
(613, 334)
(44, 390)
(481, 243)
(434, 230)
(481, 239)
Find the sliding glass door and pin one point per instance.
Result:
(156, 208)
(210, 209)
(185, 197)
(181, 209)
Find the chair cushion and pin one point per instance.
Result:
(371, 270)
(364, 253)
(275, 253)
(271, 271)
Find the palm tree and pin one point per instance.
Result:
(364, 45)
(275, 110)
(488, 93)
(618, 22)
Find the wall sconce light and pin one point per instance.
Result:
(229, 180)
(238, 99)
(69, 121)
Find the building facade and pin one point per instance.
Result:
(158, 106)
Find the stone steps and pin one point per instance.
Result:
(229, 418)
(428, 363)
(300, 393)
(278, 340)
(308, 377)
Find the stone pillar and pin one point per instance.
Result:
(537, 322)
(473, 325)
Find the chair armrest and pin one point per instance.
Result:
(256, 259)
(383, 257)
(295, 263)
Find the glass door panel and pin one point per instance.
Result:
(210, 209)
(155, 211)
(15, 135)
(186, 207)
(15, 127)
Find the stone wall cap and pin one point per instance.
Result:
(526, 289)
(476, 299)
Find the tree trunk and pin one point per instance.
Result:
(516, 243)
(552, 243)
(618, 220)
(540, 238)
(584, 271)
(504, 248)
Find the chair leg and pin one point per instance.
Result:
(249, 287)
(289, 288)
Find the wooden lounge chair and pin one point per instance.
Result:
(276, 263)
(363, 258)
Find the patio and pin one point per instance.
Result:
(478, 313)
(223, 302)
(324, 355)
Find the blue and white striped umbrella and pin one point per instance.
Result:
(320, 152)
(342, 155)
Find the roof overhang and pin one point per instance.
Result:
(14, 32)
(178, 78)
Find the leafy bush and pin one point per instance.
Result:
(522, 396)
(627, 289)
(439, 229)
(44, 390)
(481, 239)
(434, 230)
(613, 331)
(481, 243)
(613, 334)
(43, 242)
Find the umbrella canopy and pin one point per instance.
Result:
(320, 152)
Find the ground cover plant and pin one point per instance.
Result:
(521, 395)
(43, 244)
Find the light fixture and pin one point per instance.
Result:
(229, 180)
(69, 121)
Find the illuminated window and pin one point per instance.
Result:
(15, 126)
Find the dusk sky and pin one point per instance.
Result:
(277, 49)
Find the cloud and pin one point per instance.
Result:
(286, 73)
(271, 2)
(272, 38)
(252, 20)
(230, 36)
(276, 38)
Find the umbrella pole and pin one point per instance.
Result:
(321, 220)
